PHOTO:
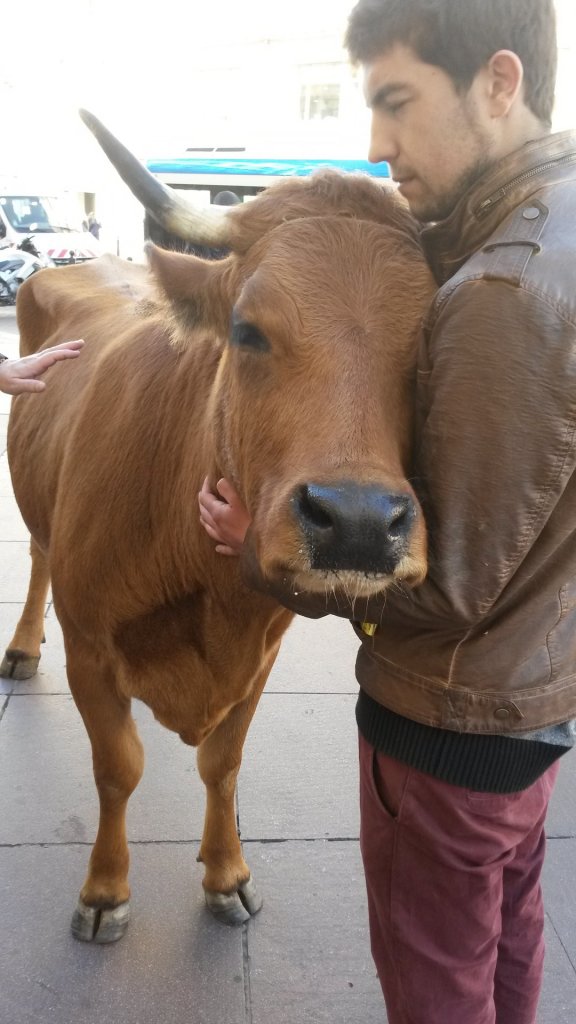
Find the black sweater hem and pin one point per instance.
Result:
(485, 763)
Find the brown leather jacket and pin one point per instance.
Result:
(487, 644)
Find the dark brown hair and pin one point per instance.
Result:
(460, 36)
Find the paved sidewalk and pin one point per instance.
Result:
(305, 958)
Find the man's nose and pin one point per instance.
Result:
(382, 146)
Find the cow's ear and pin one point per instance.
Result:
(179, 275)
(193, 286)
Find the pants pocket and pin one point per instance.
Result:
(389, 779)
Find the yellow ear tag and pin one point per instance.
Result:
(369, 628)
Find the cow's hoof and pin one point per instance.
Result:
(18, 665)
(235, 907)
(90, 924)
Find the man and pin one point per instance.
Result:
(468, 683)
(94, 226)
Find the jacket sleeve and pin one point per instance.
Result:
(496, 443)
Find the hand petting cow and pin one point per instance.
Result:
(286, 368)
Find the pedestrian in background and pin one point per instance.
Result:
(468, 682)
(93, 225)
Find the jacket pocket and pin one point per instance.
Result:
(562, 637)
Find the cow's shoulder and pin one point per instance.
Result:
(57, 294)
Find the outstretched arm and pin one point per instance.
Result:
(18, 376)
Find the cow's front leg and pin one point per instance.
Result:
(230, 892)
(103, 910)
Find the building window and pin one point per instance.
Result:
(319, 101)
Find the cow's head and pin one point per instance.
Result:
(317, 310)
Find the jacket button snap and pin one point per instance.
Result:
(502, 713)
(531, 213)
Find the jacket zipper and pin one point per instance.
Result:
(489, 203)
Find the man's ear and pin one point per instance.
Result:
(505, 81)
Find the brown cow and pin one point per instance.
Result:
(287, 367)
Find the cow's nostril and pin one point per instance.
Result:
(401, 517)
(312, 506)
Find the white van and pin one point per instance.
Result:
(53, 222)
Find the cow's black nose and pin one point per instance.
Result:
(348, 526)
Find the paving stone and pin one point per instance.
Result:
(175, 964)
(561, 819)
(310, 959)
(14, 570)
(558, 886)
(3, 431)
(558, 999)
(12, 526)
(5, 479)
(47, 790)
(299, 775)
(331, 669)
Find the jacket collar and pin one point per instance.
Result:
(450, 242)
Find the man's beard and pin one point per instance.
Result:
(438, 208)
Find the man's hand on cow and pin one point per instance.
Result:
(18, 376)
(224, 516)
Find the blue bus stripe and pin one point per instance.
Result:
(264, 167)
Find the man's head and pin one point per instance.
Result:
(454, 85)
(226, 198)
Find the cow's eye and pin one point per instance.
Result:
(246, 335)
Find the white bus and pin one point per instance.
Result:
(206, 171)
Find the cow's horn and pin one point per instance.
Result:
(207, 226)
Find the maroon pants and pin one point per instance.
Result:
(454, 900)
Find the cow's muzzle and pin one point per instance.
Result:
(353, 527)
